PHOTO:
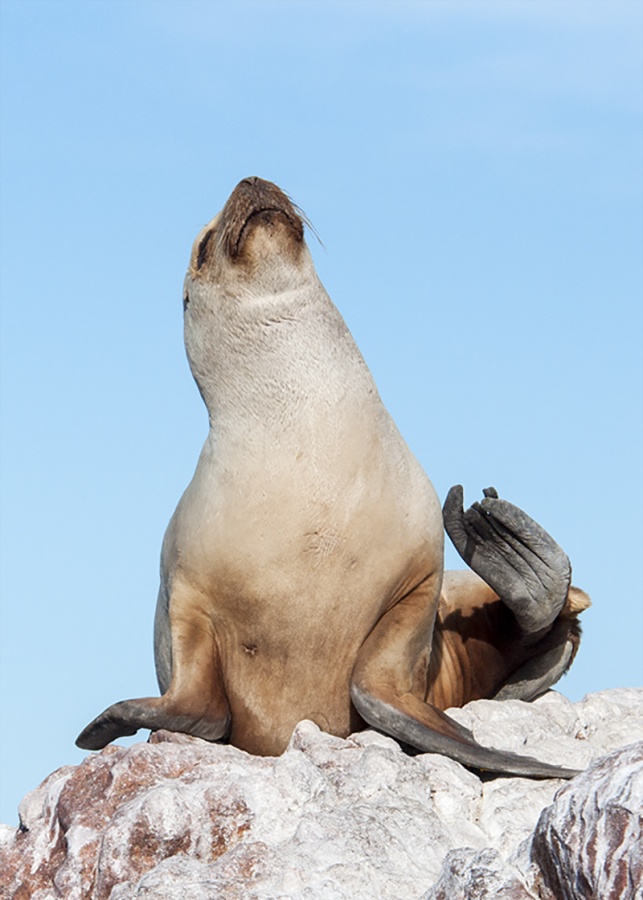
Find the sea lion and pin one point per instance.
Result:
(302, 571)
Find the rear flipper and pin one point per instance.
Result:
(515, 556)
(537, 675)
(559, 648)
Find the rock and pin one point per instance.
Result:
(180, 818)
(483, 875)
(589, 842)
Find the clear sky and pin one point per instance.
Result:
(474, 172)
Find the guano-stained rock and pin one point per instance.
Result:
(178, 817)
(589, 842)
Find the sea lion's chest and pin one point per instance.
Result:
(329, 507)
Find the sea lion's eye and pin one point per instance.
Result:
(204, 247)
(186, 300)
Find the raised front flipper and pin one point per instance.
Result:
(515, 556)
(389, 687)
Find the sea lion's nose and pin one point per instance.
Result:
(252, 181)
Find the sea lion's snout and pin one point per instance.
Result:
(258, 223)
(253, 204)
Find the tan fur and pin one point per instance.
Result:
(302, 571)
(477, 645)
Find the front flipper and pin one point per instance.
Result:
(389, 689)
(194, 703)
(515, 556)
(125, 718)
(426, 728)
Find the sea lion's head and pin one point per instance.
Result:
(256, 243)
(249, 266)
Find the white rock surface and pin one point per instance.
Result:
(589, 842)
(479, 875)
(330, 818)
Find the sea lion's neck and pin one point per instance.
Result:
(276, 360)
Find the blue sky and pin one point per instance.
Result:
(474, 172)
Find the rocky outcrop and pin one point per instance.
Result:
(589, 842)
(587, 845)
(180, 818)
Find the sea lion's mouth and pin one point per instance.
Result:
(265, 215)
(254, 203)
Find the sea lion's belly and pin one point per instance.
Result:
(296, 556)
